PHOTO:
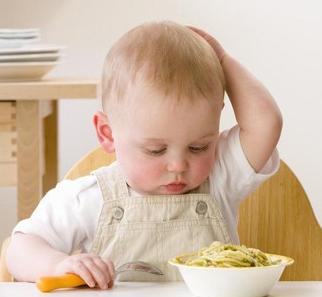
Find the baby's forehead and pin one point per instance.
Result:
(160, 117)
(145, 105)
(143, 90)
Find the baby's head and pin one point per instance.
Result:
(162, 95)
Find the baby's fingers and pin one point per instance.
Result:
(108, 269)
(219, 50)
(99, 272)
(81, 270)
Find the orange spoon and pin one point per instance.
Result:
(69, 280)
(50, 283)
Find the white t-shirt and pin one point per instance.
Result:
(67, 216)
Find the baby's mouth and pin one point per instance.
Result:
(175, 187)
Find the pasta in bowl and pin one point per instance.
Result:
(226, 270)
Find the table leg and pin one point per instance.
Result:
(51, 151)
(29, 156)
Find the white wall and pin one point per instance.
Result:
(279, 41)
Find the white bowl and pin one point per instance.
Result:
(25, 71)
(232, 281)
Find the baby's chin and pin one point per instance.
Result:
(162, 190)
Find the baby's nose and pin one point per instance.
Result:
(178, 164)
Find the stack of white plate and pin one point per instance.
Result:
(22, 58)
(11, 38)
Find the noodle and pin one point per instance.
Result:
(226, 255)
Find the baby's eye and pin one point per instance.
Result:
(198, 149)
(155, 152)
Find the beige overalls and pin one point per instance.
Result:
(153, 228)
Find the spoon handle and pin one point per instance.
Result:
(50, 283)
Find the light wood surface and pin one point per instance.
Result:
(50, 88)
(29, 136)
(8, 144)
(5, 276)
(30, 155)
(91, 161)
(51, 148)
(278, 218)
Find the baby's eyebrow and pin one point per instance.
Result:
(154, 140)
(207, 135)
(151, 140)
(163, 140)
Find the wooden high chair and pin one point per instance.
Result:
(277, 218)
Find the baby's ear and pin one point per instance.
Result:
(103, 131)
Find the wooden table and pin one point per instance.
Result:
(28, 134)
(173, 289)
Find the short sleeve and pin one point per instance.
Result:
(232, 173)
(64, 217)
(233, 178)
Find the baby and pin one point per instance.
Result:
(177, 183)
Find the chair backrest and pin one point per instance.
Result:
(277, 218)
(93, 160)
(5, 276)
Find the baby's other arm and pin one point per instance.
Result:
(256, 111)
(29, 257)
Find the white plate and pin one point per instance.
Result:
(32, 33)
(21, 36)
(24, 71)
(51, 57)
(17, 43)
(31, 49)
(18, 30)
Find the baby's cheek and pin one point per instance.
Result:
(148, 175)
(203, 167)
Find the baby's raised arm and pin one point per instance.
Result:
(30, 257)
(257, 114)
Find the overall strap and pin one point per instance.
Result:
(111, 182)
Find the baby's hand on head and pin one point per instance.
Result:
(91, 268)
(219, 50)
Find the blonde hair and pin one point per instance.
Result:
(171, 58)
